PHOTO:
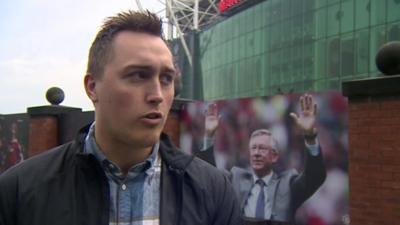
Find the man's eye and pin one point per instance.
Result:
(137, 75)
(167, 78)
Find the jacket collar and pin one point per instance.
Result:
(174, 158)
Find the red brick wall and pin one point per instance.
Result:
(374, 162)
(43, 134)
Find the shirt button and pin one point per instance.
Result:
(123, 187)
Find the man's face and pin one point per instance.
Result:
(134, 95)
(262, 155)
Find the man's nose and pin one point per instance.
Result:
(257, 151)
(154, 92)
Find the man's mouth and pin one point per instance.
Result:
(153, 115)
(153, 118)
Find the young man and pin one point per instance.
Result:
(263, 193)
(121, 169)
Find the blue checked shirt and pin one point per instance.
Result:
(134, 197)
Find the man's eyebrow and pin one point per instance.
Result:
(170, 70)
(146, 67)
(141, 67)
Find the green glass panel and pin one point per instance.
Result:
(320, 20)
(228, 30)
(347, 56)
(320, 3)
(308, 25)
(363, 8)
(333, 84)
(216, 35)
(223, 31)
(250, 44)
(257, 70)
(251, 23)
(242, 24)
(319, 85)
(320, 58)
(235, 49)
(241, 74)
(276, 11)
(308, 61)
(309, 5)
(286, 7)
(378, 12)
(267, 38)
(330, 2)
(308, 85)
(216, 57)
(393, 13)
(248, 76)
(333, 20)
(297, 61)
(297, 7)
(333, 56)
(362, 51)
(242, 47)
(263, 15)
(235, 27)
(275, 67)
(347, 16)
(285, 64)
(258, 42)
(258, 20)
(275, 36)
(229, 51)
(267, 12)
(297, 26)
(286, 32)
(393, 32)
(377, 39)
(265, 70)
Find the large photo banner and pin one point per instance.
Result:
(278, 172)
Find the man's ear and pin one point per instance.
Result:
(275, 157)
(90, 87)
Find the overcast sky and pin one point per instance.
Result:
(44, 43)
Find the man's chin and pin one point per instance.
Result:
(148, 140)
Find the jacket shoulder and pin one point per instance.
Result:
(39, 167)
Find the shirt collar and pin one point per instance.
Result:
(91, 148)
(265, 178)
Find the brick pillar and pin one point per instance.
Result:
(374, 150)
(43, 134)
(44, 127)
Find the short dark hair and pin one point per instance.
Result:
(101, 50)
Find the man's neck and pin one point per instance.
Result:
(123, 155)
(261, 175)
(125, 159)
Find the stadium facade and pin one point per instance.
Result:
(284, 46)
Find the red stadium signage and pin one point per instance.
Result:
(226, 4)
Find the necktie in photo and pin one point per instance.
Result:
(260, 207)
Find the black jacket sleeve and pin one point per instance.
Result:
(8, 197)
